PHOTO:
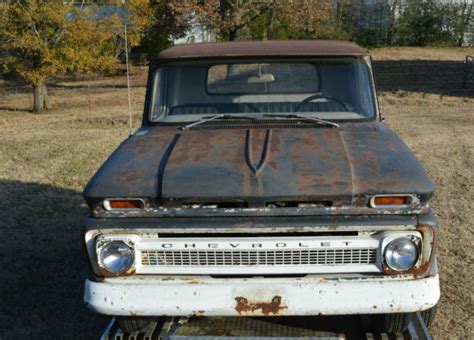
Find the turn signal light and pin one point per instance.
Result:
(391, 200)
(125, 204)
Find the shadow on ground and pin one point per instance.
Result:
(424, 76)
(43, 264)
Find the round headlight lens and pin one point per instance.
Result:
(116, 257)
(401, 254)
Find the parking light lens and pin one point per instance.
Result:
(123, 204)
(390, 200)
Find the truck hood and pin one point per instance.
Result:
(261, 166)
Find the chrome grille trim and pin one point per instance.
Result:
(259, 255)
(239, 258)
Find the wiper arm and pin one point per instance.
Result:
(211, 118)
(311, 119)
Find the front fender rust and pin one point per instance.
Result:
(429, 244)
(246, 307)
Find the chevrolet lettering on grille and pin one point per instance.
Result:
(259, 245)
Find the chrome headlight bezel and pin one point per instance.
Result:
(123, 248)
(403, 247)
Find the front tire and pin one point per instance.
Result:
(131, 324)
(429, 316)
(397, 322)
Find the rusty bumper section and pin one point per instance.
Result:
(312, 295)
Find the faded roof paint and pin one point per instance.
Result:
(272, 48)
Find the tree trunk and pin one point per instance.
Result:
(269, 30)
(232, 35)
(391, 23)
(47, 102)
(40, 99)
(465, 19)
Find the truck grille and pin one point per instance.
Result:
(317, 257)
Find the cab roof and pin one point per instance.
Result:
(272, 48)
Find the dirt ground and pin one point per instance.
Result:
(46, 159)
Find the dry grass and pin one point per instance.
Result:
(416, 53)
(45, 161)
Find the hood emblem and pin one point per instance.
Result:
(257, 147)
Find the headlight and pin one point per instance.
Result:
(401, 254)
(116, 257)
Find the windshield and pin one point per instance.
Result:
(331, 89)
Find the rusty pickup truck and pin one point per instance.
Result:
(263, 181)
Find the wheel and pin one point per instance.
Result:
(389, 323)
(429, 315)
(130, 324)
(397, 322)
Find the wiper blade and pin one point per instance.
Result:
(310, 119)
(211, 118)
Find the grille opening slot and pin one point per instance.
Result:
(244, 205)
(299, 204)
(255, 235)
(214, 205)
(237, 276)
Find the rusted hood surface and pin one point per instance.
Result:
(260, 165)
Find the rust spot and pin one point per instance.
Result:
(422, 270)
(132, 313)
(106, 273)
(273, 307)
(198, 313)
(195, 282)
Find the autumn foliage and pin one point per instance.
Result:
(259, 19)
(44, 39)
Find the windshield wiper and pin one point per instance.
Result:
(310, 119)
(211, 118)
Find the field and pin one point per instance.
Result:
(46, 159)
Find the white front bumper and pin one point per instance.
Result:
(312, 295)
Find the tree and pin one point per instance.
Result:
(264, 19)
(229, 17)
(425, 23)
(169, 20)
(42, 39)
(306, 19)
(393, 8)
(463, 24)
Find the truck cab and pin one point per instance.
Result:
(263, 181)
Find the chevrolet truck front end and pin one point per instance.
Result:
(276, 266)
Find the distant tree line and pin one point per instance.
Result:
(407, 22)
(43, 39)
